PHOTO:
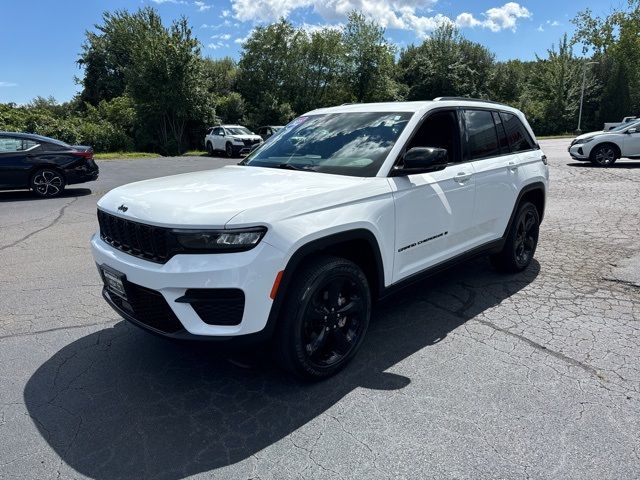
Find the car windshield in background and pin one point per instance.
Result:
(353, 144)
(624, 126)
(238, 131)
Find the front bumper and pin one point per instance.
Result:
(577, 152)
(253, 272)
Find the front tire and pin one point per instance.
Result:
(325, 318)
(209, 149)
(47, 183)
(521, 242)
(603, 155)
(229, 150)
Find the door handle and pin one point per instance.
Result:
(513, 166)
(462, 177)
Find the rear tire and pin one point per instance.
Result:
(209, 149)
(47, 183)
(603, 155)
(324, 320)
(521, 242)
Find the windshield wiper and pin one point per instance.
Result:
(290, 166)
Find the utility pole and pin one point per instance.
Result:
(584, 80)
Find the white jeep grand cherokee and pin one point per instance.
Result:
(344, 206)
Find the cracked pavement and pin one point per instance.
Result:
(471, 374)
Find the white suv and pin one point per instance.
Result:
(231, 139)
(344, 206)
(605, 147)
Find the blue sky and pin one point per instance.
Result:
(40, 39)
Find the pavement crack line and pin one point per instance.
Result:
(51, 224)
(56, 329)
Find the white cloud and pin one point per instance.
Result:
(553, 23)
(8, 84)
(217, 45)
(413, 15)
(160, 2)
(497, 18)
(225, 13)
(540, 28)
(313, 28)
(201, 6)
(221, 36)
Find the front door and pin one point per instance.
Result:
(433, 210)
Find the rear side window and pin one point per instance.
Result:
(482, 140)
(519, 138)
(9, 144)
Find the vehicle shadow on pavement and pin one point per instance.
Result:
(120, 403)
(27, 195)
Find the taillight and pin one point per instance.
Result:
(88, 154)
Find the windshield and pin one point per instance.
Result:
(624, 126)
(238, 131)
(341, 143)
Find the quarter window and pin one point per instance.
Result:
(518, 136)
(482, 140)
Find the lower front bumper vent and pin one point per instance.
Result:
(216, 306)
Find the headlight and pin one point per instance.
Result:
(582, 141)
(219, 240)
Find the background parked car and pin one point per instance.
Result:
(231, 139)
(604, 148)
(612, 125)
(268, 131)
(43, 164)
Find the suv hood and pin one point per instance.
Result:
(235, 195)
(591, 134)
(245, 137)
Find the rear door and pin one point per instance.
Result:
(495, 166)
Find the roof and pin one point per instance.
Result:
(417, 106)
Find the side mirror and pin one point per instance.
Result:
(632, 130)
(422, 160)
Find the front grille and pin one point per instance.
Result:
(248, 143)
(148, 307)
(216, 306)
(137, 239)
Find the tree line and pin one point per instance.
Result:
(146, 86)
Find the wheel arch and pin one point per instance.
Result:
(615, 146)
(359, 246)
(534, 193)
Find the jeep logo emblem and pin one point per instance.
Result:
(123, 208)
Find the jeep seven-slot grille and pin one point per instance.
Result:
(137, 239)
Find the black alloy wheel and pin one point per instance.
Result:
(229, 150)
(604, 156)
(521, 242)
(325, 318)
(47, 183)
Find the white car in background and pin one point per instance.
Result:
(234, 140)
(605, 147)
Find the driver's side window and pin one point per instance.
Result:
(440, 130)
(218, 131)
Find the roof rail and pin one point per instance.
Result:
(465, 99)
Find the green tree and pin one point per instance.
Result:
(368, 70)
(446, 64)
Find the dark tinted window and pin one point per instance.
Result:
(439, 130)
(481, 134)
(54, 147)
(518, 136)
(11, 144)
(217, 131)
(502, 134)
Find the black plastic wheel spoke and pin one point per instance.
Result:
(317, 342)
(334, 291)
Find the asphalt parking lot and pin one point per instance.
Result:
(469, 375)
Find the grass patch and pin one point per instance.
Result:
(195, 153)
(121, 155)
